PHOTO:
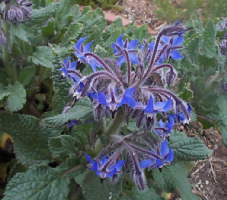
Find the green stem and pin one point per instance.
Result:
(116, 123)
(10, 68)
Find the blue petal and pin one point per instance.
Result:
(120, 41)
(133, 44)
(73, 65)
(134, 58)
(120, 60)
(88, 157)
(165, 39)
(162, 124)
(189, 109)
(118, 166)
(103, 160)
(181, 116)
(178, 41)
(87, 47)
(93, 63)
(151, 46)
(102, 98)
(170, 156)
(79, 43)
(168, 106)
(147, 163)
(159, 163)
(150, 107)
(176, 55)
(81, 87)
(111, 174)
(128, 98)
(170, 123)
(164, 148)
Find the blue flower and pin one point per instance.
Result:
(174, 42)
(120, 46)
(81, 50)
(99, 97)
(128, 99)
(164, 106)
(165, 128)
(104, 167)
(166, 154)
(147, 163)
(68, 69)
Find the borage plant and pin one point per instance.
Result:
(132, 86)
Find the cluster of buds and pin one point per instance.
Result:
(14, 11)
(17, 11)
(135, 81)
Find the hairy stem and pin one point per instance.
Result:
(116, 123)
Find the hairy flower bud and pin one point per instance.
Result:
(18, 12)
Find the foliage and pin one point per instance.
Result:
(170, 11)
(204, 70)
(52, 131)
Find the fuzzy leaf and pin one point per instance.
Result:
(61, 88)
(3, 92)
(26, 75)
(16, 98)
(30, 140)
(62, 146)
(93, 189)
(222, 104)
(188, 148)
(176, 178)
(208, 44)
(80, 110)
(38, 184)
(148, 194)
(43, 56)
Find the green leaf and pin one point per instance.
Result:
(73, 32)
(43, 56)
(208, 42)
(26, 75)
(38, 184)
(30, 139)
(62, 146)
(222, 104)
(176, 178)
(16, 98)
(3, 92)
(61, 91)
(80, 110)
(93, 189)
(20, 33)
(188, 148)
(144, 195)
(39, 15)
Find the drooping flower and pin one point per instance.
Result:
(106, 167)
